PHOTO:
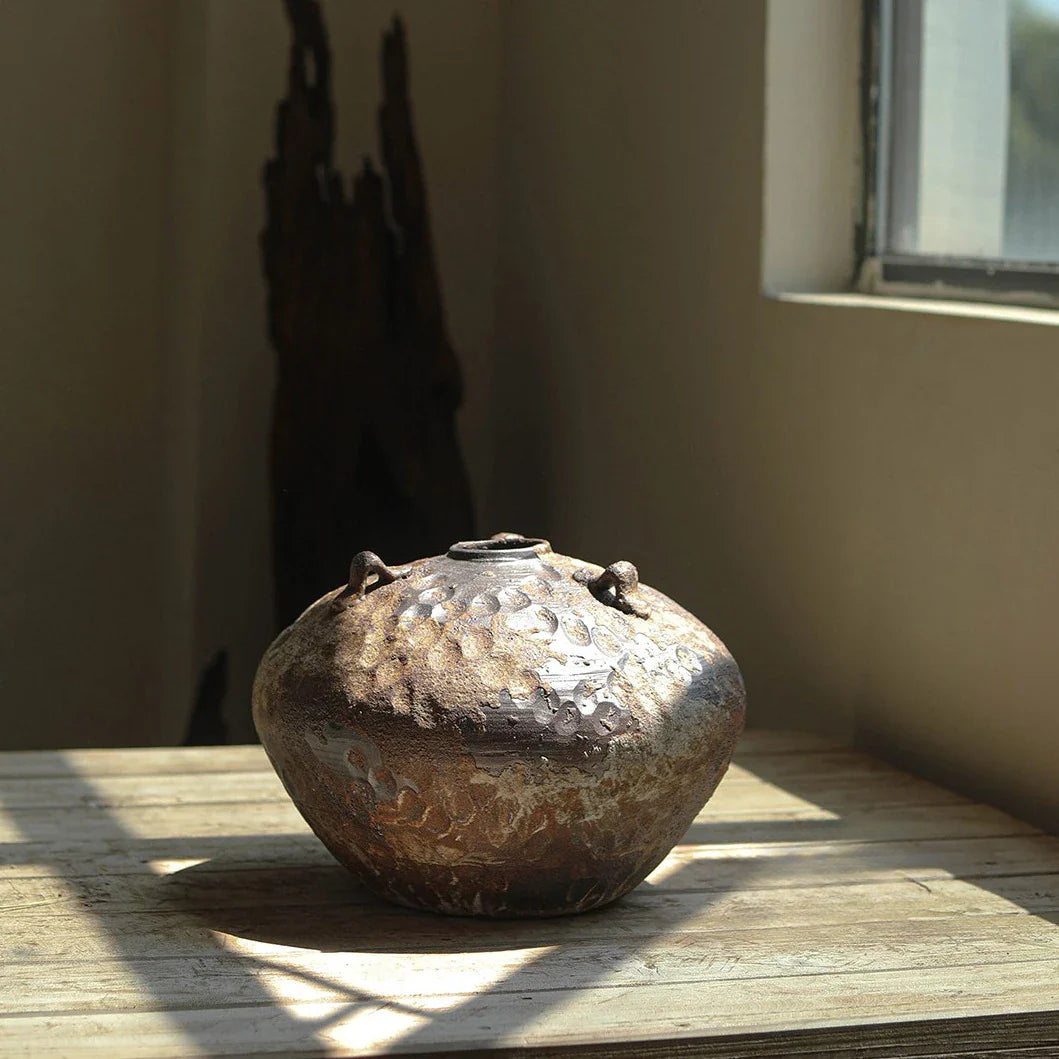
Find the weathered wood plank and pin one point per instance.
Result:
(158, 761)
(305, 873)
(831, 762)
(722, 866)
(123, 792)
(744, 793)
(356, 925)
(761, 865)
(138, 761)
(741, 791)
(221, 979)
(875, 824)
(90, 825)
(153, 856)
(375, 1026)
(717, 823)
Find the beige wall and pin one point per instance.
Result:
(81, 191)
(135, 375)
(863, 502)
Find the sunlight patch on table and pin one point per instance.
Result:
(371, 1027)
(424, 982)
(170, 867)
(763, 801)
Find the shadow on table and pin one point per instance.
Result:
(128, 934)
(317, 906)
(335, 914)
(331, 912)
(548, 957)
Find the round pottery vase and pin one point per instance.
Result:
(501, 730)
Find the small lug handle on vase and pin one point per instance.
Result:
(617, 586)
(364, 566)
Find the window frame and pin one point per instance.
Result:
(878, 271)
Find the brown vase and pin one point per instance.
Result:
(499, 731)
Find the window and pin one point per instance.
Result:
(962, 148)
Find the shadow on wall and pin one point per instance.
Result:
(363, 450)
(364, 447)
(206, 726)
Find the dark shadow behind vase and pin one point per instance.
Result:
(364, 449)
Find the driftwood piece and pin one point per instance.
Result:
(364, 447)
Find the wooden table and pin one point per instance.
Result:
(172, 902)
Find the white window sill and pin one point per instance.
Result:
(1020, 314)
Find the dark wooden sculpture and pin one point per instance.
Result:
(364, 445)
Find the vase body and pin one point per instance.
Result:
(499, 731)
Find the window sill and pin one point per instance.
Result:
(1019, 314)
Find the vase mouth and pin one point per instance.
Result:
(500, 549)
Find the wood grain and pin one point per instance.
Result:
(371, 1025)
(172, 902)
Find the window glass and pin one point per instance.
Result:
(969, 129)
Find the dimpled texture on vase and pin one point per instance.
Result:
(501, 730)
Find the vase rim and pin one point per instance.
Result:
(500, 549)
